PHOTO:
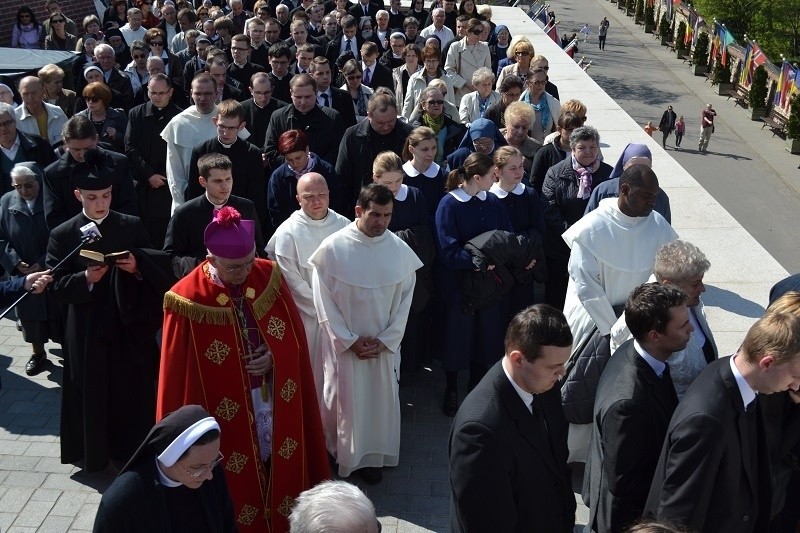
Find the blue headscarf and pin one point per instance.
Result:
(631, 150)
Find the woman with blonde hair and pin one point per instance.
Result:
(525, 210)
(421, 170)
(520, 52)
(518, 118)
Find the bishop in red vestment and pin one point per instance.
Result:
(234, 343)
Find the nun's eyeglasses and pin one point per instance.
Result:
(200, 472)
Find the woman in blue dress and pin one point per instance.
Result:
(420, 169)
(411, 222)
(524, 208)
(471, 340)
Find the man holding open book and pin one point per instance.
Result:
(112, 300)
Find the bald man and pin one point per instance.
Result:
(37, 117)
(293, 243)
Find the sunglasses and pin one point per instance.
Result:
(523, 54)
(435, 102)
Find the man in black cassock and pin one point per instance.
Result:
(259, 108)
(147, 153)
(111, 316)
(249, 178)
(184, 241)
(80, 141)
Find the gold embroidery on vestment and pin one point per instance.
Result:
(236, 462)
(288, 390)
(287, 448)
(247, 515)
(286, 505)
(276, 327)
(227, 409)
(217, 352)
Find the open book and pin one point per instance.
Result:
(96, 258)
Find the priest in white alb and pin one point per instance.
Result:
(612, 250)
(292, 245)
(186, 130)
(363, 282)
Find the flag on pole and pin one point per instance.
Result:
(552, 31)
(726, 39)
(697, 24)
(712, 54)
(746, 78)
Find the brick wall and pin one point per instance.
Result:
(74, 9)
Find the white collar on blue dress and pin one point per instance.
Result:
(460, 194)
(500, 193)
(431, 172)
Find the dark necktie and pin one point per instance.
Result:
(347, 46)
(325, 100)
(367, 77)
(366, 14)
(667, 379)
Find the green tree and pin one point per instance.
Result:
(738, 15)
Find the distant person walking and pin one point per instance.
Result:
(585, 31)
(667, 125)
(601, 33)
(707, 127)
(680, 129)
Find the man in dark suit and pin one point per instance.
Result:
(364, 8)
(714, 471)
(374, 74)
(635, 400)
(147, 153)
(197, 63)
(80, 141)
(184, 240)
(508, 443)
(328, 96)
(116, 80)
(360, 144)
(348, 41)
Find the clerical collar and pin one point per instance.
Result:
(220, 206)
(657, 366)
(163, 479)
(402, 193)
(97, 221)
(745, 390)
(430, 172)
(500, 193)
(461, 195)
(226, 146)
(238, 65)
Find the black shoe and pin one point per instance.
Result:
(371, 475)
(35, 364)
(450, 404)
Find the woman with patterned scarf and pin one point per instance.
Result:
(360, 93)
(546, 107)
(431, 114)
(567, 187)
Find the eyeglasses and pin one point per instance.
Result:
(91, 99)
(27, 186)
(222, 127)
(237, 269)
(435, 102)
(353, 77)
(483, 144)
(523, 54)
(238, 49)
(156, 43)
(157, 93)
(200, 472)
